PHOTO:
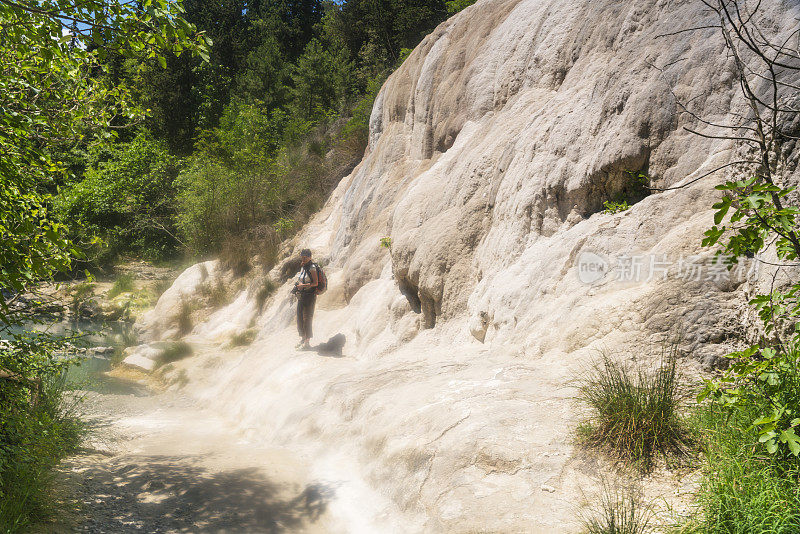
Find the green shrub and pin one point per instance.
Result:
(123, 284)
(764, 381)
(454, 6)
(743, 491)
(611, 207)
(634, 412)
(619, 511)
(255, 180)
(126, 199)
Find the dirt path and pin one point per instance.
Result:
(157, 463)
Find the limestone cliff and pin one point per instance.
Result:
(491, 152)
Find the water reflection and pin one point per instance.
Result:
(97, 344)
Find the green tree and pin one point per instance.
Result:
(758, 213)
(320, 80)
(265, 72)
(128, 200)
(55, 89)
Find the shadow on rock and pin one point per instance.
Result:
(171, 494)
(332, 347)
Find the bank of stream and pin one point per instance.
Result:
(153, 460)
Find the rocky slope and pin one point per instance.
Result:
(492, 151)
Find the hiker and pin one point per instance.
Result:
(306, 290)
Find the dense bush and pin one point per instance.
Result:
(127, 198)
(743, 492)
(258, 177)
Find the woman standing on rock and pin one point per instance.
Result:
(306, 290)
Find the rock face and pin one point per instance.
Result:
(492, 151)
(171, 316)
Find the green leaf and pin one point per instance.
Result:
(722, 208)
(792, 440)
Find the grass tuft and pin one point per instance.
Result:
(123, 284)
(159, 288)
(244, 338)
(618, 512)
(173, 352)
(634, 412)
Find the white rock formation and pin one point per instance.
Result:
(142, 357)
(163, 321)
(492, 150)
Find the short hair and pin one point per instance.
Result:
(305, 252)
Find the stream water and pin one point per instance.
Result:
(95, 344)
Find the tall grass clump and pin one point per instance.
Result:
(742, 490)
(36, 431)
(265, 289)
(619, 511)
(184, 319)
(633, 412)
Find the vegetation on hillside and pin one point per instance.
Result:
(155, 129)
(237, 152)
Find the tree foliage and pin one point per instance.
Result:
(757, 215)
(55, 90)
(58, 89)
(264, 129)
(126, 200)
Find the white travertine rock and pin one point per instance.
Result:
(491, 152)
(162, 321)
(143, 357)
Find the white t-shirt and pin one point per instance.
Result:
(304, 276)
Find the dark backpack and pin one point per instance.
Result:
(322, 280)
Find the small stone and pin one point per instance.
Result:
(548, 488)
